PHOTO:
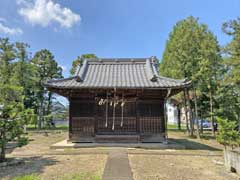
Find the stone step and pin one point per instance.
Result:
(117, 138)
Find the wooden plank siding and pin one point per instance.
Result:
(143, 117)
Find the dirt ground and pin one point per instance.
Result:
(51, 164)
(201, 160)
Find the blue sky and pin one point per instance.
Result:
(108, 28)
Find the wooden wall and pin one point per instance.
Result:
(144, 116)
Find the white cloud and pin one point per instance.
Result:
(45, 12)
(64, 68)
(11, 31)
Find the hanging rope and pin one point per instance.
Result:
(113, 125)
(114, 105)
(122, 105)
(106, 123)
(101, 102)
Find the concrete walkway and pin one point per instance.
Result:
(65, 144)
(117, 166)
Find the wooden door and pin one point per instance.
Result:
(126, 124)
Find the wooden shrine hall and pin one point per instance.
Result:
(117, 100)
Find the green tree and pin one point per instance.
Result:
(231, 84)
(47, 68)
(232, 28)
(12, 112)
(7, 55)
(192, 52)
(25, 75)
(78, 62)
(228, 135)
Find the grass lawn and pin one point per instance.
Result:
(32, 127)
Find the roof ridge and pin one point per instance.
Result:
(82, 71)
(105, 58)
(116, 60)
(149, 70)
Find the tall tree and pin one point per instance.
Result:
(11, 99)
(78, 62)
(231, 84)
(7, 55)
(192, 52)
(25, 75)
(47, 68)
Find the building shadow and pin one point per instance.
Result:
(192, 145)
(26, 166)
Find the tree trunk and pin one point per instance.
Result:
(190, 114)
(179, 118)
(49, 103)
(49, 108)
(3, 146)
(196, 114)
(2, 155)
(239, 121)
(201, 126)
(186, 112)
(211, 113)
(39, 119)
(40, 114)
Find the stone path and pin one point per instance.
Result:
(117, 166)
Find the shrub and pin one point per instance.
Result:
(22, 141)
(228, 134)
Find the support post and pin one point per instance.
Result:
(186, 111)
(70, 119)
(165, 112)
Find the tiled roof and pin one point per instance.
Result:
(117, 73)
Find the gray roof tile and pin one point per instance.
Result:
(120, 73)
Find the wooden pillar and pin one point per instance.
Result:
(165, 118)
(70, 119)
(137, 117)
(95, 117)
